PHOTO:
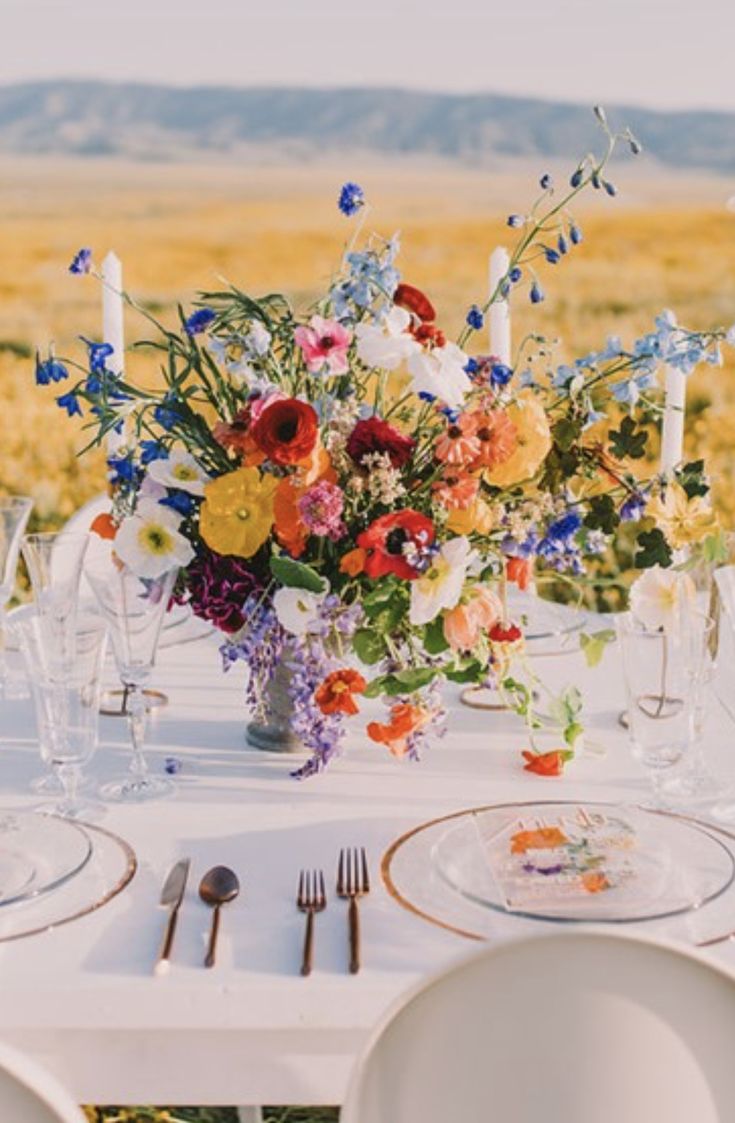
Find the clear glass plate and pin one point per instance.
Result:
(38, 853)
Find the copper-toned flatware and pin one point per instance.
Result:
(353, 882)
(218, 887)
(172, 895)
(311, 898)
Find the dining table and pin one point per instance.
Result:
(83, 998)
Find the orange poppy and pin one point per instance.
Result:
(335, 694)
(287, 523)
(405, 719)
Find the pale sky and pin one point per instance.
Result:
(660, 53)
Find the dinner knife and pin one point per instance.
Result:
(171, 897)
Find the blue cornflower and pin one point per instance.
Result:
(351, 198)
(536, 294)
(199, 321)
(164, 415)
(577, 177)
(546, 181)
(562, 244)
(575, 234)
(551, 255)
(49, 370)
(475, 318)
(633, 508)
(179, 501)
(515, 221)
(98, 354)
(122, 469)
(152, 450)
(70, 402)
(515, 275)
(564, 527)
(500, 374)
(471, 366)
(82, 261)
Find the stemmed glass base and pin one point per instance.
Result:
(136, 789)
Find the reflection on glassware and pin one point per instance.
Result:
(657, 668)
(66, 693)
(699, 638)
(14, 514)
(54, 562)
(134, 609)
(725, 585)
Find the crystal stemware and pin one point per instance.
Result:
(66, 694)
(54, 561)
(134, 608)
(14, 514)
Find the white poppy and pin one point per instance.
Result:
(180, 470)
(658, 595)
(441, 585)
(386, 344)
(149, 542)
(297, 609)
(440, 371)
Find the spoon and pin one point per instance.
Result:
(218, 886)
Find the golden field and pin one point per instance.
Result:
(664, 243)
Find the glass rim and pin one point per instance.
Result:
(634, 625)
(8, 501)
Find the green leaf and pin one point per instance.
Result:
(715, 549)
(369, 645)
(566, 432)
(692, 478)
(413, 678)
(434, 639)
(473, 671)
(593, 645)
(653, 549)
(571, 733)
(602, 514)
(628, 441)
(296, 575)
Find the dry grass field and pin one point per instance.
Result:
(664, 242)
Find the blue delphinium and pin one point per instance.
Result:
(536, 293)
(98, 353)
(123, 469)
(179, 501)
(199, 321)
(372, 277)
(633, 508)
(546, 181)
(152, 450)
(166, 414)
(82, 261)
(351, 199)
(515, 221)
(500, 374)
(575, 234)
(49, 370)
(70, 402)
(475, 318)
(515, 274)
(551, 255)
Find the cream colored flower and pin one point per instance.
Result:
(179, 470)
(149, 542)
(441, 585)
(683, 521)
(386, 344)
(658, 596)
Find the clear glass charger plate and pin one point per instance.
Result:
(437, 871)
(38, 853)
(110, 868)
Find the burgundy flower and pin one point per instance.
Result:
(217, 587)
(376, 435)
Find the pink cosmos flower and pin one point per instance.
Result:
(321, 510)
(324, 344)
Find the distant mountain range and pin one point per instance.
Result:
(146, 122)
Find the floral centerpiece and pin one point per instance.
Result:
(348, 493)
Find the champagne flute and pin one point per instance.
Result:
(134, 608)
(14, 514)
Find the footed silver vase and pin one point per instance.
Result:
(275, 734)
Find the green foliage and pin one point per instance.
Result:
(628, 440)
(434, 639)
(593, 645)
(369, 645)
(653, 549)
(602, 514)
(401, 682)
(692, 478)
(295, 574)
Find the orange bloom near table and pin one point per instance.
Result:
(336, 693)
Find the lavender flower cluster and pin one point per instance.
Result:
(261, 646)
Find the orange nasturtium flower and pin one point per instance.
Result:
(405, 719)
(353, 562)
(335, 694)
(547, 764)
(237, 512)
(104, 525)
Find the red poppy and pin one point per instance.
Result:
(335, 694)
(375, 435)
(390, 541)
(286, 430)
(547, 764)
(413, 300)
(429, 335)
(505, 633)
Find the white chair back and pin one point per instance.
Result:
(28, 1094)
(577, 1026)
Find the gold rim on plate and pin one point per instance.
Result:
(409, 906)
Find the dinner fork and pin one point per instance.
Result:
(311, 898)
(353, 882)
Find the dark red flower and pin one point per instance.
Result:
(286, 430)
(414, 300)
(396, 543)
(505, 633)
(216, 588)
(376, 435)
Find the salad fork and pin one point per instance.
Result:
(311, 898)
(353, 882)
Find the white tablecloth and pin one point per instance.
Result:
(83, 998)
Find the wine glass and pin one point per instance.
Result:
(66, 694)
(699, 639)
(14, 515)
(134, 608)
(54, 562)
(658, 670)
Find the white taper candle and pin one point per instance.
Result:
(672, 429)
(113, 329)
(499, 316)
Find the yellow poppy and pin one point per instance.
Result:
(237, 512)
(478, 518)
(534, 443)
(683, 520)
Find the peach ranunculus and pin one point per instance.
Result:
(465, 624)
(456, 490)
(478, 518)
(405, 719)
(495, 433)
(533, 437)
(458, 444)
